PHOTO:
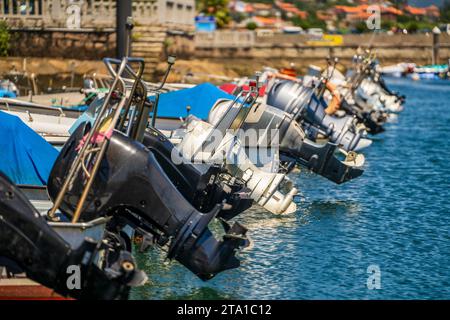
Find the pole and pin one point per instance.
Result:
(436, 34)
(123, 12)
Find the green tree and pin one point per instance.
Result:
(217, 8)
(5, 38)
(445, 12)
(310, 22)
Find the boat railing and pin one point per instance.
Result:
(94, 144)
(233, 119)
(9, 102)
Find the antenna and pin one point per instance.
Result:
(170, 63)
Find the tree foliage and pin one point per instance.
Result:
(5, 38)
(310, 22)
(217, 8)
(445, 12)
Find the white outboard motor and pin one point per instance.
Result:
(352, 104)
(376, 96)
(299, 100)
(218, 143)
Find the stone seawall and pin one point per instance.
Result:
(307, 54)
(388, 48)
(92, 45)
(153, 43)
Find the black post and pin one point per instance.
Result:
(123, 12)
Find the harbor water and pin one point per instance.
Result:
(395, 219)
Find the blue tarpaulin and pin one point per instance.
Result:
(200, 98)
(7, 94)
(25, 157)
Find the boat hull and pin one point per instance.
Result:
(22, 288)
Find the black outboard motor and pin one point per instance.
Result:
(28, 244)
(373, 120)
(131, 184)
(203, 185)
(301, 102)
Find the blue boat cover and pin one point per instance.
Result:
(200, 98)
(26, 158)
(7, 94)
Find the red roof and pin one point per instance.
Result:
(249, 8)
(265, 21)
(361, 10)
(289, 7)
(348, 9)
(359, 16)
(415, 11)
(391, 10)
(433, 11)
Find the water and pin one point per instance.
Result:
(396, 216)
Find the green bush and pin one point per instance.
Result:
(251, 25)
(361, 27)
(413, 27)
(5, 38)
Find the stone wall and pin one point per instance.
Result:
(389, 49)
(154, 43)
(91, 45)
(308, 54)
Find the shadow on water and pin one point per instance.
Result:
(318, 209)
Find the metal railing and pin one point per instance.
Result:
(225, 39)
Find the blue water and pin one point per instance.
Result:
(396, 216)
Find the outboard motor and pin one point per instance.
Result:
(276, 127)
(218, 142)
(380, 96)
(203, 185)
(28, 244)
(309, 111)
(105, 170)
(131, 184)
(373, 120)
(379, 79)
